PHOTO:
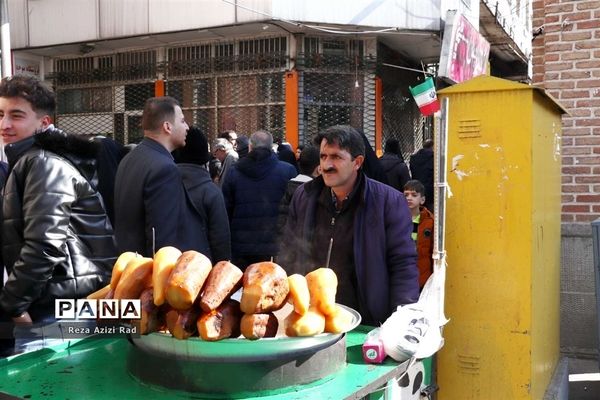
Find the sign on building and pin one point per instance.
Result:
(465, 51)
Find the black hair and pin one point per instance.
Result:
(392, 146)
(415, 186)
(344, 136)
(226, 135)
(195, 150)
(30, 88)
(309, 160)
(158, 110)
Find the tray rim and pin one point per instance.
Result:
(238, 349)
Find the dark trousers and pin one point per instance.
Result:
(7, 339)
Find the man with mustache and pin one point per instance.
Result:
(369, 224)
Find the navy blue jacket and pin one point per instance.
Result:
(209, 225)
(421, 169)
(396, 171)
(385, 256)
(252, 191)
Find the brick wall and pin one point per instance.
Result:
(566, 61)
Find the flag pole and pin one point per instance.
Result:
(441, 191)
(423, 68)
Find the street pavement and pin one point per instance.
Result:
(584, 379)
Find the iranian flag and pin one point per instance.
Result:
(425, 97)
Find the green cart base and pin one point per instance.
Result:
(96, 368)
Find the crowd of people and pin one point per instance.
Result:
(70, 205)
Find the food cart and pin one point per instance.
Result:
(110, 367)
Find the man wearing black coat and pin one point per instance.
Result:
(208, 215)
(149, 194)
(393, 164)
(421, 169)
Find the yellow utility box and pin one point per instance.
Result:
(502, 241)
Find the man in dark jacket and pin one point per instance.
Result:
(393, 164)
(149, 194)
(252, 191)
(208, 215)
(309, 169)
(57, 240)
(361, 226)
(421, 169)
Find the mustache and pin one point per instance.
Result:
(326, 170)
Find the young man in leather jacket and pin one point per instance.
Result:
(57, 240)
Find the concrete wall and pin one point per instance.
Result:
(93, 20)
(578, 322)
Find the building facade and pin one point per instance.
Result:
(289, 67)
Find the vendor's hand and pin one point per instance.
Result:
(23, 319)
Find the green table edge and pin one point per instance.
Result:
(95, 368)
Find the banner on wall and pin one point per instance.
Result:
(25, 66)
(465, 51)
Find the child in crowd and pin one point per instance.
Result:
(414, 191)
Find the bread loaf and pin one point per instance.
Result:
(186, 280)
(182, 323)
(152, 319)
(339, 321)
(299, 295)
(164, 263)
(100, 293)
(265, 288)
(120, 266)
(258, 326)
(310, 324)
(221, 323)
(322, 285)
(224, 279)
(136, 277)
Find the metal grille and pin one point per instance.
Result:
(241, 103)
(402, 119)
(105, 95)
(240, 88)
(334, 86)
(237, 85)
(135, 65)
(231, 85)
(74, 71)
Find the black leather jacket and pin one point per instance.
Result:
(57, 240)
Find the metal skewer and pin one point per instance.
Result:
(329, 253)
(153, 242)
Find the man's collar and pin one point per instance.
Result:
(351, 195)
(14, 150)
(155, 144)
